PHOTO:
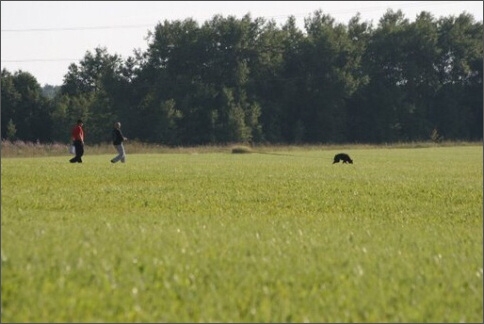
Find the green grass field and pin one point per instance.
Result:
(219, 237)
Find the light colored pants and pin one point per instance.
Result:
(121, 154)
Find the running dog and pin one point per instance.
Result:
(342, 157)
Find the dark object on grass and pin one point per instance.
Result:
(241, 149)
(342, 157)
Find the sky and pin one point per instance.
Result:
(45, 37)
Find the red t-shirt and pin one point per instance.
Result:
(78, 133)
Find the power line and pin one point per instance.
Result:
(40, 60)
(58, 29)
(334, 12)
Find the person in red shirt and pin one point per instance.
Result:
(77, 135)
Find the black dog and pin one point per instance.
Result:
(342, 157)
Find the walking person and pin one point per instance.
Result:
(118, 139)
(77, 135)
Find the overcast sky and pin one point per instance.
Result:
(45, 37)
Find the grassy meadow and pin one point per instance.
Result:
(277, 235)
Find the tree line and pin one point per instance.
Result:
(248, 80)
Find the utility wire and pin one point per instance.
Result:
(58, 29)
(41, 60)
(334, 12)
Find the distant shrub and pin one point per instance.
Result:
(241, 149)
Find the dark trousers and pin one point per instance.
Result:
(79, 152)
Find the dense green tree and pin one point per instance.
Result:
(65, 111)
(248, 80)
(98, 81)
(383, 98)
(24, 107)
(50, 91)
(457, 110)
(329, 66)
(359, 120)
(11, 134)
(420, 77)
(170, 80)
(10, 101)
